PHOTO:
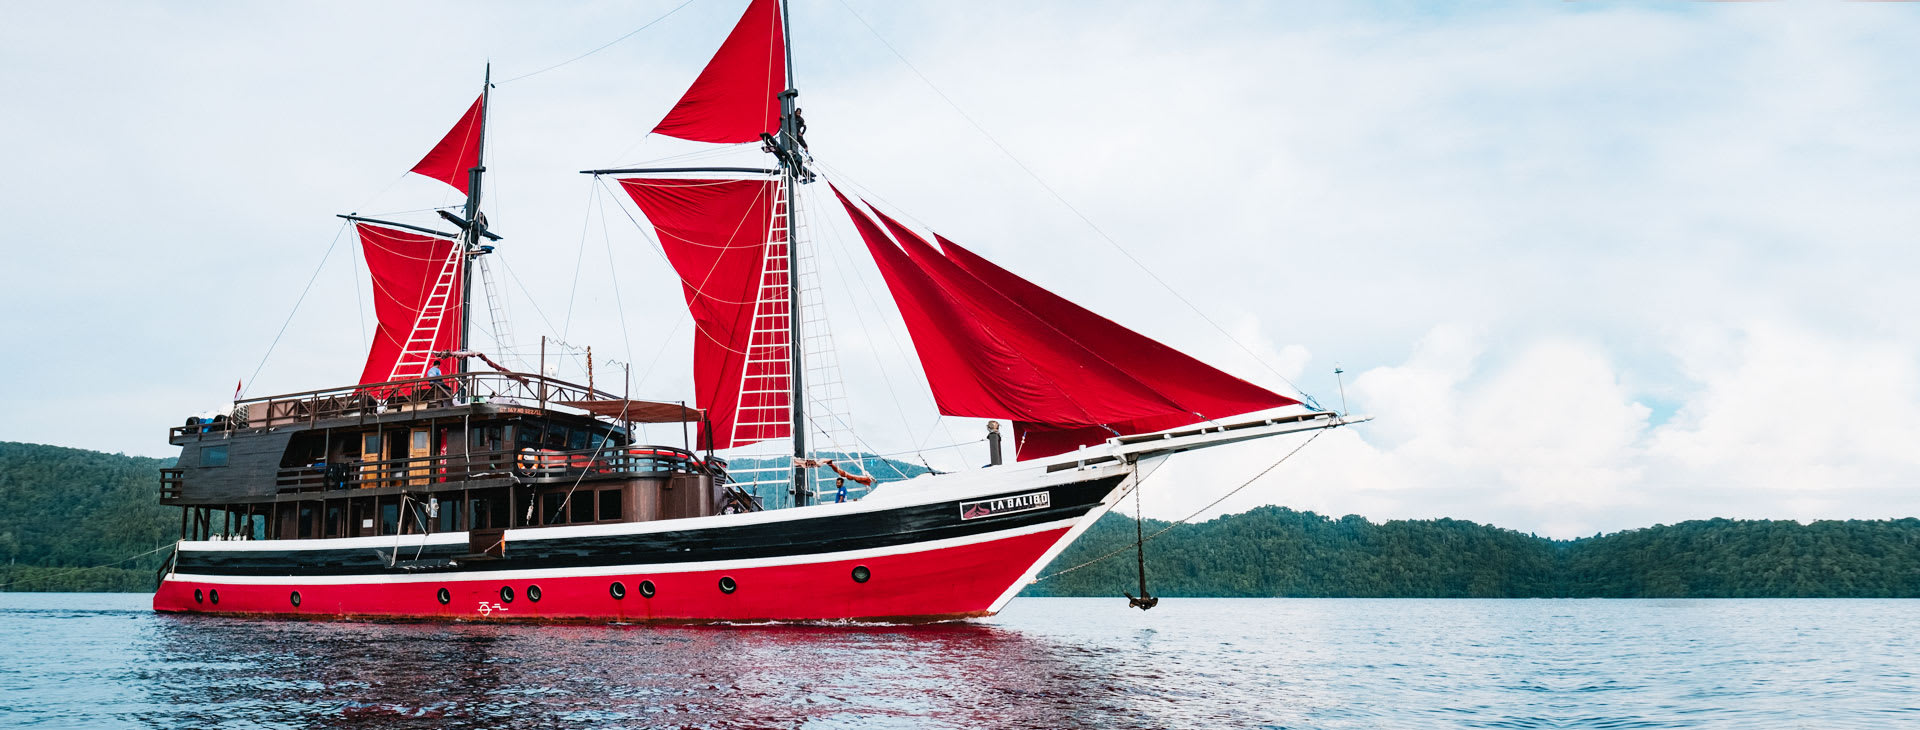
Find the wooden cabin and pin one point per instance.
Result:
(475, 452)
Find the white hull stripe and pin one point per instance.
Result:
(605, 570)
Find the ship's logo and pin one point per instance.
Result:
(1004, 505)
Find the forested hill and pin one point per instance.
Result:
(62, 509)
(1274, 551)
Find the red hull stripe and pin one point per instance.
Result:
(945, 583)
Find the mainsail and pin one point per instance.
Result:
(407, 270)
(736, 98)
(716, 233)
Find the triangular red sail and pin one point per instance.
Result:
(459, 151)
(715, 233)
(404, 266)
(1102, 392)
(1202, 391)
(736, 98)
(970, 370)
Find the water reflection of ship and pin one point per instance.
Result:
(436, 488)
(418, 675)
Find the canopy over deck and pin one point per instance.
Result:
(639, 411)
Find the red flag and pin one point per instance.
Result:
(236, 389)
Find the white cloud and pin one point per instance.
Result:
(1776, 422)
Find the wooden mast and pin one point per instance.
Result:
(470, 240)
(794, 170)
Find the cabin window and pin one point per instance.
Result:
(486, 438)
(582, 508)
(577, 440)
(450, 515)
(482, 518)
(421, 441)
(389, 516)
(336, 519)
(306, 521)
(609, 505)
(527, 434)
(551, 508)
(556, 437)
(370, 445)
(213, 455)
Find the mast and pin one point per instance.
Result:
(470, 238)
(788, 149)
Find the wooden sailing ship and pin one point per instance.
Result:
(443, 486)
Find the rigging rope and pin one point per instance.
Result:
(608, 44)
(1196, 513)
(1076, 211)
(69, 571)
(296, 309)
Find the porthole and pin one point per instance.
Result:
(214, 595)
(533, 593)
(617, 590)
(199, 597)
(726, 585)
(861, 574)
(295, 598)
(506, 594)
(445, 597)
(646, 589)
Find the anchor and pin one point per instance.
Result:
(1146, 600)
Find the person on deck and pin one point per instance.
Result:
(438, 389)
(840, 483)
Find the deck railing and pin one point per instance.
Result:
(373, 399)
(525, 466)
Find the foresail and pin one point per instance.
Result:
(459, 151)
(971, 371)
(407, 268)
(994, 345)
(1202, 391)
(736, 97)
(716, 235)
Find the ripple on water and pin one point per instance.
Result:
(105, 661)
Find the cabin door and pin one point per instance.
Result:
(370, 455)
(420, 447)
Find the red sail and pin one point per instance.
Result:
(715, 234)
(1103, 393)
(972, 371)
(995, 345)
(404, 266)
(1203, 392)
(459, 151)
(736, 99)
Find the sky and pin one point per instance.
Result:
(1589, 266)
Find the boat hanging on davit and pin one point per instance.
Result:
(442, 485)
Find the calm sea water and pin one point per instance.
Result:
(104, 660)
